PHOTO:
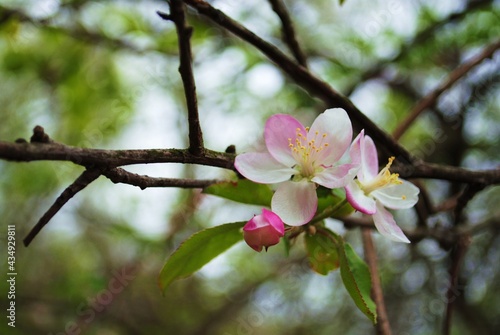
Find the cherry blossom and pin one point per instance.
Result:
(373, 191)
(300, 158)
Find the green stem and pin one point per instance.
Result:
(328, 212)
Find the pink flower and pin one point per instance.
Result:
(372, 191)
(263, 230)
(299, 158)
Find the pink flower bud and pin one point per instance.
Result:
(263, 230)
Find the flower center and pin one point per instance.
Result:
(305, 149)
(383, 179)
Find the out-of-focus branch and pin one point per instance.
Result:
(288, 31)
(457, 257)
(430, 99)
(303, 77)
(118, 175)
(80, 33)
(79, 184)
(422, 36)
(383, 325)
(184, 32)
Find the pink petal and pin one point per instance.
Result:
(335, 123)
(359, 200)
(295, 202)
(262, 168)
(397, 196)
(274, 220)
(336, 176)
(364, 152)
(384, 221)
(279, 129)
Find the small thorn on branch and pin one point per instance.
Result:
(39, 136)
(164, 16)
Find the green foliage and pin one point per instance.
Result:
(357, 280)
(244, 191)
(198, 250)
(322, 253)
(326, 252)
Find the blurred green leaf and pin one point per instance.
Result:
(244, 191)
(198, 250)
(357, 280)
(322, 252)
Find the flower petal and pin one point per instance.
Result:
(335, 123)
(358, 199)
(274, 220)
(363, 151)
(295, 202)
(262, 168)
(384, 221)
(398, 196)
(279, 129)
(336, 176)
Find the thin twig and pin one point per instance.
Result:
(469, 192)
(457, 257)
(87, 177)
(288, 31)
(430, 99)
(303, 77)
(184, 32)
(118, 175)
(383, 325)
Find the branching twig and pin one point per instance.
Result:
(79, 184)
(303, 77)
(383, 325)
(118, 175)
(430, 99)
(184, 32)
(288, 31)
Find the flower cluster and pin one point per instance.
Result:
(300, 158)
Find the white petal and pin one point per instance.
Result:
(384, 221)
(335, 123)
(358, 199)
(369, 159)
(262, 168)
(397, 196)
(336, 176)
(295, 202)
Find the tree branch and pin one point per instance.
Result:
(383, 325)
(288, 31)
(457, 257)
(108, 159)
(79, 184)
(430, 99)
(303, 77)
(184, 32)
(118, 175)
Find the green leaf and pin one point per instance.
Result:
(198, 250)
(357, 280)
(322, 252)
(244, 191)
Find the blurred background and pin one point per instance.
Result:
(103, 74)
